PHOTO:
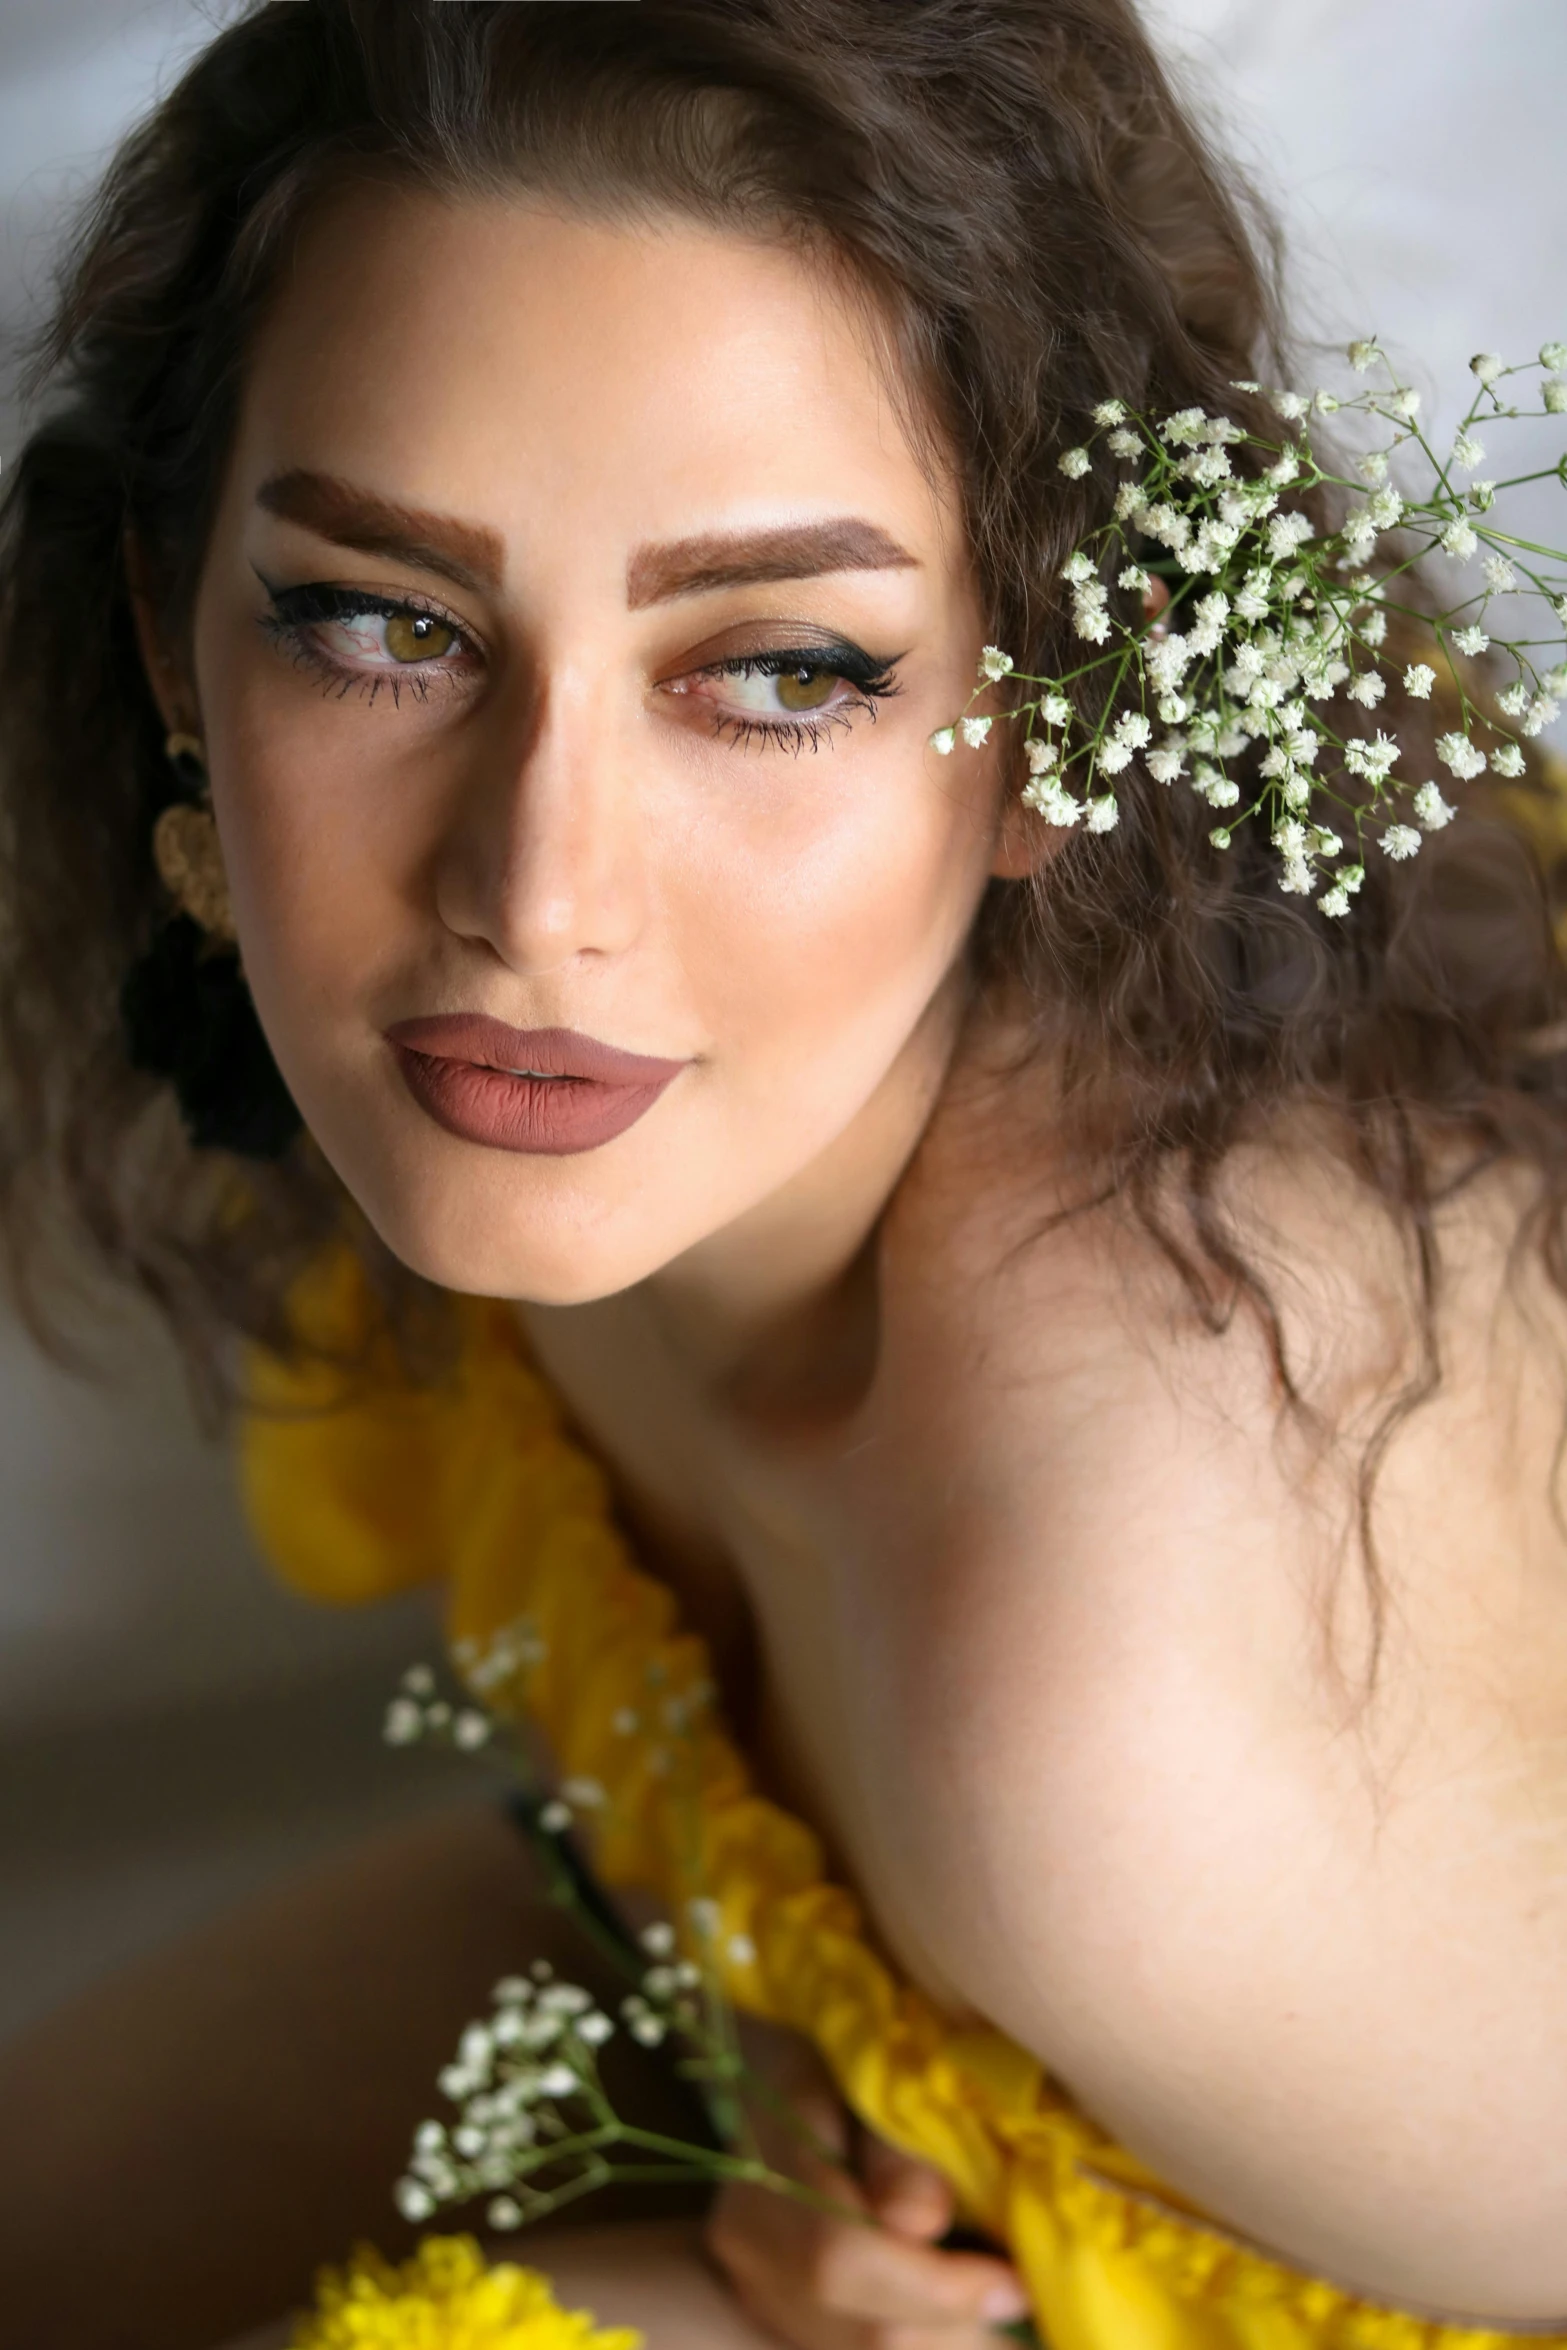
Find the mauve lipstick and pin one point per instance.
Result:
(547, 1091)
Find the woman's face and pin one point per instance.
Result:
(573, 625)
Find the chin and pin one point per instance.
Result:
(462, 1245)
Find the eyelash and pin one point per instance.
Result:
(295, 611)
(874, 681)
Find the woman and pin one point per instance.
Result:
(1080, 1335)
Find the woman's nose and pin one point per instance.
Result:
(543, 857)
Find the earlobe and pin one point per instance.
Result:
(1024, 844)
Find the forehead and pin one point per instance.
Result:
(496, 358)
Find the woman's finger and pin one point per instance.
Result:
(906, 2195)
(791, 2255)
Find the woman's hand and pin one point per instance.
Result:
(824, 2283)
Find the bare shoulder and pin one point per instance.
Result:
(1281, 1363)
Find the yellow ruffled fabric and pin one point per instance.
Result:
(446, 2298)
(478, 1482)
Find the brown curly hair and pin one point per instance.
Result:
(1035, 216)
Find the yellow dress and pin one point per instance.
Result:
(477, 1483)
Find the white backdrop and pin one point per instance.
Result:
(1414, 148)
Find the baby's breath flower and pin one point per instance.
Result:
(1286, 532)
(974, 730)
(1166, 763)
(1326, 403)
(1405, 405)
(1113, 757)
(658, 1940)
(1363, 354)
(1373, 467)
(583, 1794)
(1074, 463)
(1334, 901)
(1471, 640)
(1468, 452)
(1458, 540)
(1133, 729)
(471, 1730)
(1431, 810)
(994, 664)
(1419, 678)
(1125, 444)
(1513, 700)
(1184, 430)
(1553, 354)
(1056, 710)
(1109, 412)
(1400, 841)
(1040, 755)
(1487, 366)
(1135, 580)
(942, 740)
(1078, 570)
(555, 1818)
(1554, 393)
(1375, 759)
(416, 2203)
(504, 2213)
(1541, 713)
(595, 2029)
(1290, 405)
(1367, 689)
(1049, 798)
(1460, 756)
(1508, 761)
(1220, 836)
(1481, 496)
(1103, 814)
(404, 1722)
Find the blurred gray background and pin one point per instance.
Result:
(172, 1728)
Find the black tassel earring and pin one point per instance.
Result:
(186, 1008)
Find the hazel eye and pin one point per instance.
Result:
(806, 688)
(417, 636)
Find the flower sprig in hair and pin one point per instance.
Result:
(1255, 625)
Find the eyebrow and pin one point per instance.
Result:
(696, 566)
(464, 552)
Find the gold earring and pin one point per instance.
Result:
(186, 851)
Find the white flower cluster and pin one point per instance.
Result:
(418, 1715)
(510, 2078)
(534, 2126)
(1244, 629)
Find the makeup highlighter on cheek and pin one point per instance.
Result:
(545, 1091)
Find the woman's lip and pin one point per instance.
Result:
(552, 1052)
(545, 1091)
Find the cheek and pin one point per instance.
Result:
(319, 842)
(811, 924)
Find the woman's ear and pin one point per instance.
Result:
(1025, 843)
(167, 678)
